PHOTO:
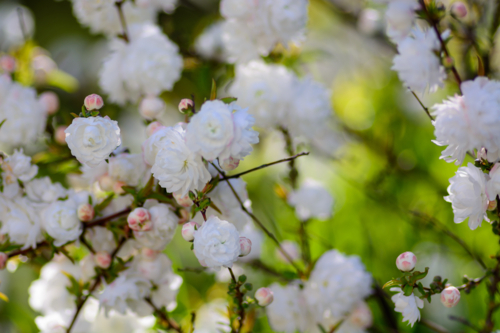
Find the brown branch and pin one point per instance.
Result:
(104, 220)
(257, 264)
(123, 22)
(28, 250)
(293, 173)
(433, 326)
(239, 296)
(464, 322)
(426, 109)
(489, 324)
(288, 159)
(386, 309)
(164, 316)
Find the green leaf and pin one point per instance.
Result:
(248, 286)
(407, 290)
(3, 122)
(215, 207)
(242, 278)
(74, 115)
(228, 100)
(213, 91)
(420, 275)
(160, 197)
(391, 283)
(105, 203)
(129, 189)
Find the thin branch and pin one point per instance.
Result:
(293, 173)
(28, 250)
(433, 326)
(257, 264)
(22, 23)
(426, 109)
(288, 159)
(123, 22)
(239, 296)
(105, 219)
(164, 316)
(464, 322)
(259, 223)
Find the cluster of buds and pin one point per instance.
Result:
(139, 220)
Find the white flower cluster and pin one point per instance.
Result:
(277, 98)
(145, 66)
(24, 114)
(335, 290)
(311, 200)
(253, 28)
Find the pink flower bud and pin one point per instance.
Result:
(185, 215)
(184, 200)
(106, 182)
(85, 212)
(7, 63)
(450, 297)
(245, 246)
(153, 127)
(60, 135)
(117, 187)
(230, 164)
(492, 205)
(3, 260)
(185, 105)
(102, 259)
(93, 102)
(139, 220)
(291, 249)
(151, 107)
(50, 102)
(264, 296)
(188, 230)
(406, 261)
(459, 9)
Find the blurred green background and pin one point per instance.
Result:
(386, 174)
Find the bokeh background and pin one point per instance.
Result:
(387, 180)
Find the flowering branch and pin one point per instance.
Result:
(288, 159)
(123, 22)
(102, 221)
(164, 316)
(239, 298)
(426, 109)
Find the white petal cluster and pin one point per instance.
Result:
(213, 317)
(177, 168)
(126, 291)
(311, 200)
(42, 191)
(216, 132)
(217, 243)
(167, 6)
(93, 139)
(471, 121)
(417, 64)
(408, 306)
(253, 28)
(400, 18)
(24, 114)
(210, 44)
(288, 311)
(336, 285)
(16, 167)
(149, 64)
(467, 194)
(21, 222)
(127, 168)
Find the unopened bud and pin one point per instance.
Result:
(245, 246)
(185, 215)
(106, 182)
(3, 260)
(450, 297)
(185, 105)
(291, 249)
(151, 107)
(50, 102)
(153, 127)
(93, 102)
(85, 212)
(183, 200)
(264, 296)
(117, 187)
(459, 9)
(362, 316)
(492, 205)
(139, 220)
(188, 230)
(7, 63)
(406, 261)
(230, 164)
(102, 259)
(60, 135)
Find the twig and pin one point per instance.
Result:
(433, 326)
(293, 173)
(164, 316)
(263, 267)
(25, 251)
(22, 23)
(104, 220)
(123, 22)
(239, 297)
(426, 109)
(84, 242)
(288, 159)
(464, 321)
(387, 311)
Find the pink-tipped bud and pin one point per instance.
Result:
(139, 220)
(183, 200)
(459, 9)
(93, 102)
(102, 259)
(3, 260)
(291, 249)
(185, 216)
(7, 63)
(450, 297)
(50, 102)
(151, 107)
(60, 135)
(264, 296)
(230, 164)
(406, 261)
(492, 205)
(117, 187)
(188, 230)
(185, 105)
(85, 212)
(245, 246)
(153, 127)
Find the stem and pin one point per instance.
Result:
(492, 305)
(22, 23)
(387, 311)
(426, 109)
(25, 251)
(293, 174)
(104, 220)
(433, 326)
(288, 159)
(123, 22)
(263, 267)
(239, 297)
(464, 321)
(259, 223)
(164, 316)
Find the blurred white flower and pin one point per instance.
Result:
(468, 196)
(21, 222)
(124, 292)
(311, 200)
(212, 317)
(60, 220)
(288, 312)
(408, 306)
(127, 168)
(210, 44)
(400, 18)
(151, 107)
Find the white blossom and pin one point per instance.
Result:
(42, 191)
(21, 222)
(311, 200)
(217, 243)
(101, 238)
(468, 122)
(176, 167)
(467, 195)
(149, 64)
(244, 136)
(93, 139)
(400, 18)
(60, 220)
(408, 306)
(288, 312)
(212, 317)
(127, 168)
(124, 292)
(417, 64)
(25, 116)
(210, 44)
(16, 167)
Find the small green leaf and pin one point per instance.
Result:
(407, 290)
(1, 124)
(105, 203)
(213, 91)
(74, 115)
(391, 283)
(229, 100)
(242, 278)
